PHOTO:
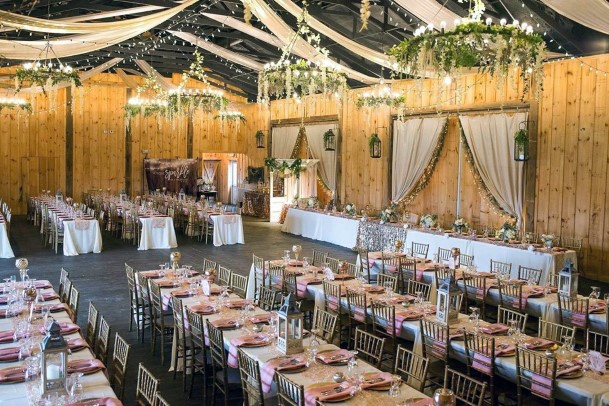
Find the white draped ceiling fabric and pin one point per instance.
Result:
(414, 142)
(218, 50)
(327, 159)
(429, 11)
(490, 138)
(358, 49)
(83, 43)
(301, 47)
(591, 13)
(283, 141)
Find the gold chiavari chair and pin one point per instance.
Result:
(288, 392)
(238, 284)
(144, 318)
(268, 299)
(529, 274)
(505, 316)
(63, 275)
(466, 260)
(162, 321)
(73, 304)
(436, 347)
(332, 264)
(535, 372)
(319, 258)
(120, 358)
(510, 295)
(357, 305)
(159, 400)
(468, 391)
(369, 347)
(574, 312)
(225, 379)
(384, 279)
(411, 367)
(480, 351)
(441, 273)
(364, 263)
(597, 342)
(250, 379)
(103, 337)
(146, 388)
(260, 272)
(554, 331)
(92, 319)
(384, 324)
(412, 287)
(324, 324)
(475, 290)
(209, 265)
(196, 327)
(444, 255)
(419, 250)
(224, 276)
(407, 271)
(500, 267)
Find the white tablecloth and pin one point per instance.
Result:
(323, 227)
(228, 229)
(483, 252)
(81, 237)
(157, 233)
(5, 245)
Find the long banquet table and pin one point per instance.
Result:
(5, 245)
(95, 385)
(484, 250)
(158, 232)
(332, 228)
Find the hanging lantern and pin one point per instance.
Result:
(449, 300)
(330, 140)
(521, 142)
(260, 139)
(375, 146)
(568, 278)
(53, 361)
(290, 340)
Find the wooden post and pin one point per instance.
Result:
(69, 144)
(128, 154)
(189, 135)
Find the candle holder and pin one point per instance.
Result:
(21, 264)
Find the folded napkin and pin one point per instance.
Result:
(237, 303)
(6, 336)
(565, 370)
(539, 344)
(185, 292)
(252, 340)
(598, 307)
(377, 380)
(496, 328)
(5, 313)
(330, 357)
(59, 307)
(224, 323)
(559, 249)
(295, 263)
(267, 372)
(50, 296)
(167, 283)
(202, 308)
(374, 289)
(77, 344)
(503, 350)
(10, 354)
(85, 366)
(150, 274)
(342, 276)
(66, 328)
(98, 402)
(336, 392)
(12, 374)
(216, 290)
(260, 318)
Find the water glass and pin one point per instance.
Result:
(474, 318)
(419, 299)
(305, 264)
(436, 258)
(585, 359)
(389, 289)
(396, 381)
(595, 294)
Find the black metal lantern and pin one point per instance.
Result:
(375, 146)
(330, 140)
(521, 142)
(260, 139)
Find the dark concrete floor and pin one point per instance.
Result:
(101, 278)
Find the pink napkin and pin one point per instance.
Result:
(12, 374)
(373, 380)
(597, 308)
(85, 366)
(237, 303)
(167, 283)
(295, 263)
(278, 364)
(50, 296)
(42, 284)
(395, 299)
(302, 284)
(77, 344)
(314, 394)
(539, 344)
(99, 402)
(223, 323)
(3, 299)
(260, 318)
(408, 315)
(502, 350)
(341, 276)
(9, 354)
(3, 313)
(59, 307)
(185, 292)
(243, 341)
(330, 357)
(6, 336)
(374, 289)
(496, 328)
(66, 328)
(202, 308)
(482, 363)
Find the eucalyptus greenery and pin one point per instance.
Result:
(380, 100)
(495, 49)
(44, 75)
(275, 166)
(374, 139)
(521, 137)
(23, 106)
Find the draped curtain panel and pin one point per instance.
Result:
(429, 11)
(414, 142)
(209, 171)
(284, 141)
(591, 13)
(490, 138)
(327, 159)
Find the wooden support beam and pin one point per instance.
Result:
(69, 144)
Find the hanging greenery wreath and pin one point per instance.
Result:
(284, 167)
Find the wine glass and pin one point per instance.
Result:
(566, 351)
(436, 258)
(296, 249)
(305, 264)
(595, 294)
(396, 381)
(389, 289)
(474, 318)
(419, 299)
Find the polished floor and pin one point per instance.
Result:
(101, 278)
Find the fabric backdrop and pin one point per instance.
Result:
(173, 174)
(327, 159)
(283, 141)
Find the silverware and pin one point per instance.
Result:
(294, 361)
(373, 381)
(338, 389)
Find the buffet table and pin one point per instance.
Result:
(81, 237)
(256, 204)
(5, 245)
(335, 229)
(484, 250)
(157, 233)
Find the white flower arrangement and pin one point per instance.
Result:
(428, 220)
(350, 209)
(508, 231)
(460, 224)
(389, 213)
(548, 239)
(312, 202)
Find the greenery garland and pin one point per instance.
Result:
(44, 75)
(23, 106)
(492, 48)
(274, 166)
(384, 100)
(521, 137)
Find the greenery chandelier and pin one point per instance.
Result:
(497, 49)
(294, 79)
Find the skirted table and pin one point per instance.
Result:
(81, 237)
(157, 233)
(256, 204)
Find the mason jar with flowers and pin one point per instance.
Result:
(350, 209)
(508, 231)
(389, 214)
(428, 220)
(460, 225)
(548, 240)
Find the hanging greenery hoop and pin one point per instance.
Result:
(37, 74)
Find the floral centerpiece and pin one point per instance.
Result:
(312, 202)
(548, 240)
(389, 214)
(428, 220)
(459, 225)
(508, 231)
(350, 209)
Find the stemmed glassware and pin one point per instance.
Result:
(595, 294)
(419, 299)
(566, 351)
(474, 318)
(296, 249)
(389, 289)
(305, 264)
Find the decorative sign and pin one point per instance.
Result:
(172, 174)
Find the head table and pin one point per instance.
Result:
(95, 385)
(269, 357)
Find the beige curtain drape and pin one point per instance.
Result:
(283, 141)
(414, 142)
(490, 138)
(327, 159)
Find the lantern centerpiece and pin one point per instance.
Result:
(290, 327)
(568, 278)
(53, 361)
(175, 260)
(449, 300)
